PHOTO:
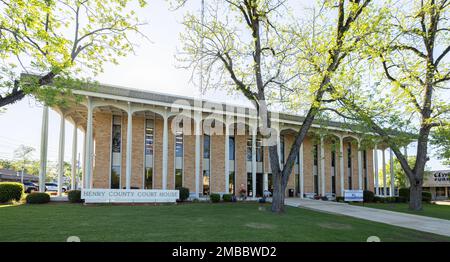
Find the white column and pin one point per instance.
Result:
(266, 181)
(129, 147)
(89, 146)
(392, 187)
(279, 148)
(384, 171)
(83, 172)
(375, 155)
(302, 187)
(227, 158)
(44, 147)
(322, 167)
(197, 123)
(62, 131)
(165, 151)
(74, 156)
(341, 164)
(360, 167)
(254, 130)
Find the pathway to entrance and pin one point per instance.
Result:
(421, 223)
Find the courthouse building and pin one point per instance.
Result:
(137, 139)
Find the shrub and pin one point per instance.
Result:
(402, 199)
(10, 191)
(368, 196)
(184, 193)
(227, 197)
(377, 199)
(38, 198)
(339, 199)
(426, 196)
(215, 198)
(74, 196)
(404, 192)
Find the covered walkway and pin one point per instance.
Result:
(421, 223)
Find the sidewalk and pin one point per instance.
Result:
(420, 223)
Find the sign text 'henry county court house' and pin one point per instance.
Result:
(125, 195)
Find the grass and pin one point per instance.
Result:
(430, 210)
(190, 222)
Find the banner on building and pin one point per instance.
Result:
(98, 195)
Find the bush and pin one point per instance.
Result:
(404, 192)
(402, 199)
(390, 199)
(227, 198)
(74, 196)
(215, 198)
(184, 193)
(368, 196)
(339, 199)
(10, 191)
(38, 198)
(426, 196)
(377, 199)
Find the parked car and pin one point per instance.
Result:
(53, 187)
(30, 187)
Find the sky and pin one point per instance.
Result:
(153, 67)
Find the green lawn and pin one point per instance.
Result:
(430, 210)
(190, 222)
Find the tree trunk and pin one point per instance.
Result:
(278, 195)
(415, 196)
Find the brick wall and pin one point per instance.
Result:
(102, 136)
(217, 163)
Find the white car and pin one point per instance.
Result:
(53, 187)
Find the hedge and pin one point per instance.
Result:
(214, 198)
(426, 196)
(404, 192)
(339, 199)
(10, 191)
(227, 197)
(74, 196)
(368, 196)
(38, 198)
(184, 193)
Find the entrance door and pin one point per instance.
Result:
(259, 184)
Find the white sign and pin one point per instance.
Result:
(98, 195)
(353, 195)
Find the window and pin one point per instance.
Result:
(333, 170)
(270, 182)
(231, 148)
(249, 149)
(149, 143)
(282, 149)
(178, 159)
(178, 177)
(349, 165)
(116, 148)
(206, 147)
(206, 161)
(231, 183)
(259, 150)
(365, 169)
(231, 178)
(249, 185)
(179, 144)
(316, 168)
